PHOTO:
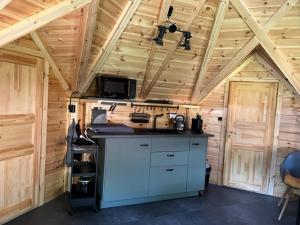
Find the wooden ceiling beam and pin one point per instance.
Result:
(37, 40)
(38, 20)
(89, 23)
(218, 22)
(110, 43)
(168, 57)
(4, 3)
(165, 4)
(246, 50)
(267, 43)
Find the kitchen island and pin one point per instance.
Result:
(149, 165)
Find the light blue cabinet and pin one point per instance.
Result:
(126, 168)
(197, 164)
(167, 180)
(169, 158)
(148, 168)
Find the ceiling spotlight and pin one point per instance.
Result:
(161, 32)
(187, 37)
(172, 28)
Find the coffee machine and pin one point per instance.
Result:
(197, 124)
(179, 123)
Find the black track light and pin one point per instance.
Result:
(187, 37)
(172, 28)
(161, 32)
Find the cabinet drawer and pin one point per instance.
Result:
(169, 158)
(198, 143)
(167, 180)
(170, 144)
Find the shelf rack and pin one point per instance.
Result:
(78, 198)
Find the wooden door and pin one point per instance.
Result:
(250, 128)
(21, 96)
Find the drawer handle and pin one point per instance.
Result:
(169, 170)
(170, 155)
(144, 145)
(196, 144)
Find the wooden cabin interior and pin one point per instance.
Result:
(166, 95)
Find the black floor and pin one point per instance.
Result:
(219, 206)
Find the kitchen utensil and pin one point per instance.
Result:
(197, 124)
(179, 122)
(98, 116)
(84, 184)
(140, 117)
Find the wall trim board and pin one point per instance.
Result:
(44, 135)
(275, 139)
(223, 136)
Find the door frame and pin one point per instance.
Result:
(271, 176)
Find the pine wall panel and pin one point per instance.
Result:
(56, 140)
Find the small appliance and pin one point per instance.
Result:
(115, 87)
(179, 122)
(197, 124)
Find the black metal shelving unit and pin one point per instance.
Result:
(77, 197)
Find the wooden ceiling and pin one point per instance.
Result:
(104, 37)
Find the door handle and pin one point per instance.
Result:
(196, 144)
(169, 170)
(144, 145)
(170, 155)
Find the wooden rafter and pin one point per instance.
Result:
(274, 71)
(165, 4)
(4, 3)
(219, 18)
(87, 39)
(110, 43)
(38, 20)
(37, 40)
(246, 50)
(267, 44)
(168, 57)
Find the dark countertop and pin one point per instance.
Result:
(150, 132)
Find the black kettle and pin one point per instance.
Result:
(197, 124)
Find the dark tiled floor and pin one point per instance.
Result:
(219, 206)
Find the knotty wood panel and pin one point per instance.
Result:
(289, 134)
(56, 139)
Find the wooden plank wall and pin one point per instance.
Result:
(56, 142)
(212, 107)
(122, 114)
(289, 134)
(212, 111)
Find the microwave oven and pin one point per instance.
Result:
(115, 87)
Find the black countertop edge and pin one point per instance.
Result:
(146, 132)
